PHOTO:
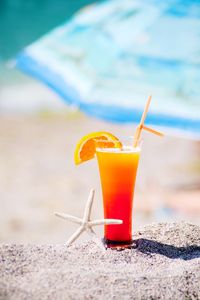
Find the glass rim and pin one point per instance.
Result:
(119, 139)
(126, 141)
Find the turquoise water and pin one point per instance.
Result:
(24, 21)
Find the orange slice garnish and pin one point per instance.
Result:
(86, 147)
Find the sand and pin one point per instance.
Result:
(165, 265)
(38, 177)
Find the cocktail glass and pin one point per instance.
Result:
(118, 169)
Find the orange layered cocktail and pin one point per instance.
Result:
(118, 169)
(118, 163)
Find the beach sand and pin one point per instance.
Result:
(165, 265)
(38, 176)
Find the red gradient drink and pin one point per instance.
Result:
(118, 169)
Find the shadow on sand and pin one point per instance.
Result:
(149, 247)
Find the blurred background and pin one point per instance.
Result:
(38, 134)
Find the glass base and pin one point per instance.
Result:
(119, 245)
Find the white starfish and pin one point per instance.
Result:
(85, 223)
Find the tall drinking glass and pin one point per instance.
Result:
(118, 169)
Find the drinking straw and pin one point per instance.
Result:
(142, 126)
